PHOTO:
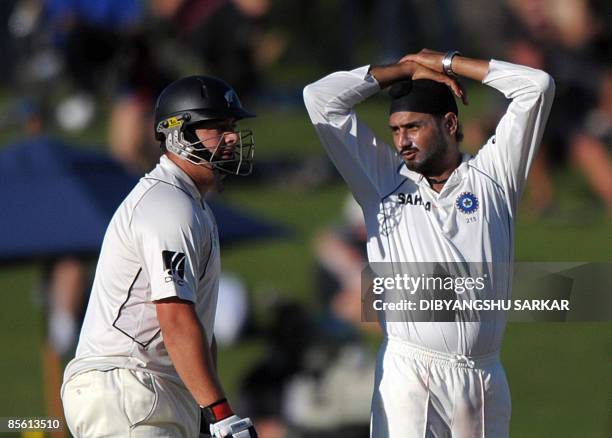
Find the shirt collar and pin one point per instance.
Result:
(453, 179)
(170, 173)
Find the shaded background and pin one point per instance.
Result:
(295, 356)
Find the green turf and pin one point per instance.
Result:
(560, 380)
(22, 332)
(559, 373)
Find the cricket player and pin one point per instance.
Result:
(145, 362)
(425, 201)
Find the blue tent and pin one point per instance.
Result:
(57, 200)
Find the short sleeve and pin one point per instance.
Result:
(167, 242)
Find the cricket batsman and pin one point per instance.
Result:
(145, 362)
(436, 379)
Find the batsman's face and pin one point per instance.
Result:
(418, 140)
(219, 137)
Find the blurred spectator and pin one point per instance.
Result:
(6, 47)
(105, 47)
(316, 377)
(65, 279)
(341, 255)
(591, 146)
(34, 60)
(335, 401)
(321, 401)
(336, 32)
(102, 50)
(65, 284)
(307, 384)
(95, 39)
(571, 40)
(221, 33)
(331, 395)
(288, 335)
(407, 26)
(232, 310)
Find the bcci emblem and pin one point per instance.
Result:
(467, 203)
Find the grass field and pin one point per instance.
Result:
(559, 373)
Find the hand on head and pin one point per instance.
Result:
(427, 58)
(427, 64)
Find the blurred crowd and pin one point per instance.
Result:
(77, 65)
(76, 62)
(572, 40)
(85, 65)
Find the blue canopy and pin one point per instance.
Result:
(57, 200)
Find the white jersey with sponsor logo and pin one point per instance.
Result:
(161, 242)
(471, 219)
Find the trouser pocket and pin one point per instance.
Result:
(77, 395)
(139, 396)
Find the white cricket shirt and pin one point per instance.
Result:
(470, 220)
(161, 242)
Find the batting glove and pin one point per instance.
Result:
(223, 423)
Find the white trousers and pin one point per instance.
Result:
(419, 393)
(128, 403)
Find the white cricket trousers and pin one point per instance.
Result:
(419, 393)
(128, 403)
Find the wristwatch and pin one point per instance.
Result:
(447, 62)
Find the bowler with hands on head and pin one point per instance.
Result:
(425, 201)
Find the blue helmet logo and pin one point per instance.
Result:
(467, 203)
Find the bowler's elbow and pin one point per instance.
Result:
(309, 96)
(313, 102)
(545, 84)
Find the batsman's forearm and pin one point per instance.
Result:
(471, 68)
(213, 351)
(187, 346)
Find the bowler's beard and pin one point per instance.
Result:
(431, 162)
